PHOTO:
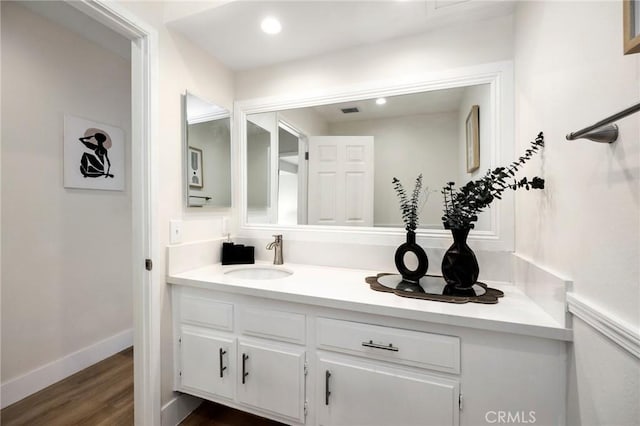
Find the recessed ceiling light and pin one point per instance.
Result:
(381, 101)
(271, 25)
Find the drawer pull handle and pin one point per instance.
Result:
(222, 367)
(245, 357)
(370, 344)
(327, 374)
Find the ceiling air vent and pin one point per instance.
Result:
(349, 110)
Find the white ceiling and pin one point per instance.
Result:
(230, 31)
(71, 18)
(437, 101)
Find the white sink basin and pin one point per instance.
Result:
(258, 273)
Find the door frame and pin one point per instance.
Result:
(303, 148)
(146, 295)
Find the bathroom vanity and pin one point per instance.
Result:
(315, 345)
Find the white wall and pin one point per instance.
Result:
(182, 65)
(404, 148)
(570, 73)
(66, 264)
(457, 46)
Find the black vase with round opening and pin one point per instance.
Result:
(411, 277)
(459, 265)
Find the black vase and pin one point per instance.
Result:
(459, 265)
(409, 275)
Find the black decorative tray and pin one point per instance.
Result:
(435, 288)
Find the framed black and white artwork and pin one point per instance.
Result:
(195, 168)
(93, 155)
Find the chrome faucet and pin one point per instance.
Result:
(277, 254)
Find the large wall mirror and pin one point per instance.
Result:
(312, 164)
(207, 153)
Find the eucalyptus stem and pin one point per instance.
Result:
(409, 206)
(461, 207)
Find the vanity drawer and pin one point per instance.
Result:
(271, 324)
(206, 312)
(415, 348)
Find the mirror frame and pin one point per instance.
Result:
(185, 150)
(499, 75)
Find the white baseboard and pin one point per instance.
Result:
(625, 335)
(22, 386)
(178, 409)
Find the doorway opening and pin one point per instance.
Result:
(292, 175)
(142, 41)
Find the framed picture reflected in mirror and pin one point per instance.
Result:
(631, 26)
(473, 139)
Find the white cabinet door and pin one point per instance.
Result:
(271, 377)
(353, 392)
(207, 363)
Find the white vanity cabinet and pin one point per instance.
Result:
(247, 357)
(337, 354)
(205, 347)
(371, 387)
(271, 358)
(207, 362)
(271, 378)
(359, 392)
(243, 353)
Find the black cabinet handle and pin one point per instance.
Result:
(222, 367)
(327, 374)
(370, 344)
(245, 357)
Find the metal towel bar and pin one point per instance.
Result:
(603, 131)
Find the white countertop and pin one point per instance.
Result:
(342, 288)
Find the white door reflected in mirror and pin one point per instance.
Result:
(341, 180)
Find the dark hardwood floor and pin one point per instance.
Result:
(102, 395)
(212, 414)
